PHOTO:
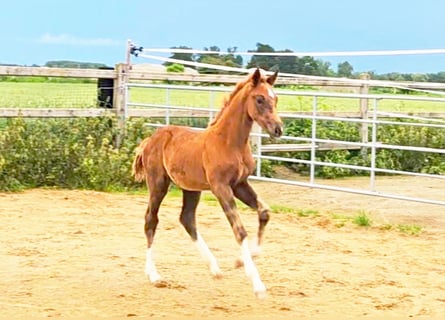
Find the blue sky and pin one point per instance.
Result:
(97, 30)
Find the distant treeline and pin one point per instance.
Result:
(56, 64)
(74, 64)
(297, 65)
(289, 64)
(65, 64)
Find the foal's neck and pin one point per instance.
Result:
(235, 124)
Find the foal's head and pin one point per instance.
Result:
(262, 103)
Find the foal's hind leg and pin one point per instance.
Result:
(244, 192)
(188, 220)
(158, 188)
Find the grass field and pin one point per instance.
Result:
(47, 95)
(84, 95)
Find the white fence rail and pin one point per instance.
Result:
(365, 118)
(371, 119)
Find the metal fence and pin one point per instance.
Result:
(170, 110)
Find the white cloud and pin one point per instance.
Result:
(67, 39)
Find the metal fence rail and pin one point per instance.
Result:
(371, 119)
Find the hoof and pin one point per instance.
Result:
(261, 295)
(218, 276)
(160, 284)
(154, 277)
(239, 263)
(255, 252)
(216, 272)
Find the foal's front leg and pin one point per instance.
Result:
(226, 199)
(244, 192)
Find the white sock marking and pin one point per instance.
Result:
(150, 268)
(255, 248)
(208, 256)
(251, 271)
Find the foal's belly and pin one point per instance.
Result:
(187, 175)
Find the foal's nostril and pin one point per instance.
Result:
(278, 131)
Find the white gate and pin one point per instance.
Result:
(161, 110)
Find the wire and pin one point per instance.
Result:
(302, 54)
(375, 83)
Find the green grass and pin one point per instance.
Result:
(410, 229)
(299, 212)
(199, 99)
(47, 95)
(340, 220)
(205, 99)
(283, 209)
(362, 220)
(308, 213)
(209, 198)
(84, 95)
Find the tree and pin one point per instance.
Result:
(180, 56)
(419, 77)
(74, 64)
(285, 64)
(437, 77)
(263, 62)
(229, 60)
(345, 69)
(324, 69)
(306, 65)
(289, 64)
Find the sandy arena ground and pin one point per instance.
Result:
(80, 255)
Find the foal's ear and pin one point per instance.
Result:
(271, 80)
(256, 77)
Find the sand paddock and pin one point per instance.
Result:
(80, 254)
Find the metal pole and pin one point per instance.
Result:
(373, 145)
(364, 89)
(167, 103)
(314, 136)
(257, 143)
(211, 104)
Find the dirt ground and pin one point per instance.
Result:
(80, 254)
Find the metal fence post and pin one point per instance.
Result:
(256, 143)
(313, 138)
(364, 90)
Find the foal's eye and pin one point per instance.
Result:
(260, 99)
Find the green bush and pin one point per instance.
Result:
(403, 160)
(414, 161)
(80, 153)
(175, 67)
(267, 169)
(68, 153)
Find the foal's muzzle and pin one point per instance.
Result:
(276, 130)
